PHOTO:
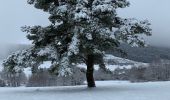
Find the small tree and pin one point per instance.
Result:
(41, 78)
(80, 31)
(2, 83)
(13, 79)
(136, 74)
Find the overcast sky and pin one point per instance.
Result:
(13, 15)
(17, 13)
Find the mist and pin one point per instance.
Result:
(157, 13)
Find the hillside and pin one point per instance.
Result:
(8, 49)
(145, 55)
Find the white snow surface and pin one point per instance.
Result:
(120, 60)
(106, 90)
(110, 67)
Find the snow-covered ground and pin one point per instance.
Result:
(108, 90)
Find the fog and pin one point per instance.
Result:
(157, 12)
(17, 13)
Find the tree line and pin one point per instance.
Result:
(158, 70)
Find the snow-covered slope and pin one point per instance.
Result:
(113, 60)
(108, 90)
(110, 67)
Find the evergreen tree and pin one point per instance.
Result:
(80, 31)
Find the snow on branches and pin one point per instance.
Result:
(78, 28)
(130, 31)
(19, 60)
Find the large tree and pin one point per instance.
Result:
(80, 32)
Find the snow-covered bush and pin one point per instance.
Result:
(121, 74)
(102, 74)
(44, 78)
(2, 83)
(13, 79)
(136, 74)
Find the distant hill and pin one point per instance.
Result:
(145, 55)
(8, 49)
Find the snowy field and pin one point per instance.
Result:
(108, 90)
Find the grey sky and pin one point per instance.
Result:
(13, 15)
(157, 12)
(16, 13)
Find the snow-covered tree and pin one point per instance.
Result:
(80, 31)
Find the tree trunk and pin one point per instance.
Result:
(90, 70)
